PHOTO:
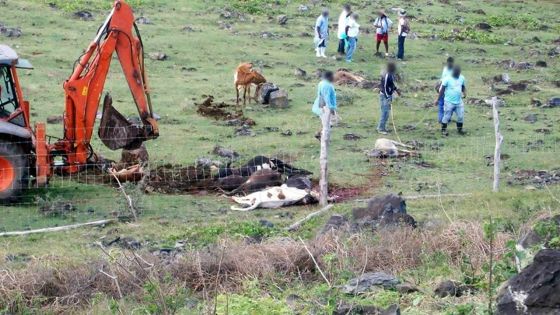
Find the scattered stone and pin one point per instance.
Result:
(535, 102)
(282, 19)
(545, 131)
(12, 32)
(502, 78)
(351, 137)
(188, 29)
(287, 133)
(303, 8)
(406, 288)
(523, 66)
(57, 119)
(484, 26)
(225, 153)
(279, 99)
(335, 222)
(369, 280)
(554, 51)
(344, 308)
(84, 15)
(266, 223)
(536, 178)
(541, 64)
(452, 288)
(531, 118)
(159, 56)
(554, 102)
(541, 233)
(144, 20)
(300, 73)
(244, 131)
(521, 86)
(378, 206)
(536, 290)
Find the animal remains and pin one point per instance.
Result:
(271, 198)
(386, 148)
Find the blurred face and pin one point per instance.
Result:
(456, 72)
(326, 14)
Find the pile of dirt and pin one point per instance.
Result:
(176, 179)
(536, 178)
(219, 111)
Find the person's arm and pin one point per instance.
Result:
(332, 100)
(440, 94)
(394, 86)
(464, 91)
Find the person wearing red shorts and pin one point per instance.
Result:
(382, 24)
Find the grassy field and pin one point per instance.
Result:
(202, 54)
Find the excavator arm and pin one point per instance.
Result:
(84, 88)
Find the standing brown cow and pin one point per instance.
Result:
(244, 77)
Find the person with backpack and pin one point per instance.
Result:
(382, 24)
(403, 31)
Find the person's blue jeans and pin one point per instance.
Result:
(400, 50)
(385, 103)
(440, 109)
(352, 41)
(450, 108)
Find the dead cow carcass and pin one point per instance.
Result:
(386, 148)
(258, 180)
(272, 198)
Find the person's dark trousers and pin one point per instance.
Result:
(400, 51)
(341, 46)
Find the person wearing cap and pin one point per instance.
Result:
(342, 20)
(322, 33)
(382, 24)
(352, 32)
(402, 30)
(387, 89)
(326, 97)
(453, 89)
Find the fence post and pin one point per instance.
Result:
(499, 141)
(324, 157)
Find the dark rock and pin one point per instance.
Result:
(369, 280)
(484, 26)
(54, 119)
(143, 20)
(279, 99)
(554, 102)
(244, 131)
(523, 66)
(521, 86)
(531, 118)
(344, 308)
(541, 233)
(351, 137)
(536, 290)
(300, 73)
(406, 288)
(335, 222)
(129, 243)
(554, 51)
(391, 219)
(541, 63)
(287, 133)
(452, 288)
(536, 102)
(282, 19)
(226, 153)
(84, 15)
(502, 78)
(378, 206)
(13, 32)
(266, 223)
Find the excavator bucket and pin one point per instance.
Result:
(116, 131)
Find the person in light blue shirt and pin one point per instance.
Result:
(453, 90)
(322, 33)
(326, 97)
(447, 71)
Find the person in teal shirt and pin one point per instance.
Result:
(326, 97)
(453, 90)
(447, 71)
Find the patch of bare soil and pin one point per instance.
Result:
(222, 111)
(176, 179)
(536, 178)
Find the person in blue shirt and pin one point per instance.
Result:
(447, 71)
(387, 89)
(322, 33)
(326, 97)
(453, 89)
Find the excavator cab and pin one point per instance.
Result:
(16, 136)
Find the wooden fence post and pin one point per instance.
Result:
(324, 157)
(498, 148)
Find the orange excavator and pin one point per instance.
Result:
(26, 156)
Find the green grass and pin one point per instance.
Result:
(52, 40)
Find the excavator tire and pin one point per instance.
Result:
(14, 172)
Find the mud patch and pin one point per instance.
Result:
(535, 178)
(223, 112)
(177, 179)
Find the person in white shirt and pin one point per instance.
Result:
(403, 30)
(352, 32)
(382, 24)
(346, 12)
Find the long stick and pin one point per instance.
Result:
(498, 148)
(310, 216)
(58, 228)
(315, 262)
(324, 157)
